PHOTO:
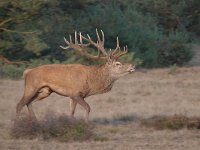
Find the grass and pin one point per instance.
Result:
(173, 69)
(117, 120)
(174, 122)
(55, 127)
(125, 120)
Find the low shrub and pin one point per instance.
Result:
(55, 127)
(175, 122)
(11, 71)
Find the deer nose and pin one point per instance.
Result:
(131, 68)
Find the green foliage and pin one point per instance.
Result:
(39, 62)
(171, 14)
(20, 35)
(174, 49)
(35, 44)
(10, 71)
(173, 69)
(14, 72)
(156, 31)
(139, 31)
(131, 59)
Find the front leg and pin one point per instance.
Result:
(73, 104)
(85, 105)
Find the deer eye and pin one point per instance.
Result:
(118, 64)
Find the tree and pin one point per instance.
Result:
(16, 33)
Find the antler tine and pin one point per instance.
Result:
(114, 52)
(88, 37)
(98, 37)
(75, 38)
(80, 38)
(89, 40)
(125, 50)
(79, 45)
(65, 42)
(117, 47)
(64, 47)
(103, 39)
(99, 44)
(70, 38)
(117, 42)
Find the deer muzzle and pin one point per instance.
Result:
(131, 69)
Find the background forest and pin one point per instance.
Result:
(158, 32)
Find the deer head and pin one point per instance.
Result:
(115, 66)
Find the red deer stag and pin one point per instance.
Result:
(75, 80)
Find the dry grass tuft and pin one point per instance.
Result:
(60, 128)
(175, 122)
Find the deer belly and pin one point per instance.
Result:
(66, 90)
(61, 90)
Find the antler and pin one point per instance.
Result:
(115, 54)
(79, 45)
(102, 54)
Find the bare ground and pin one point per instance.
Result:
(140, 95)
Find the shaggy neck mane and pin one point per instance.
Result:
(99, 79)
(102, 73)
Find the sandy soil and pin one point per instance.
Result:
(143, 94)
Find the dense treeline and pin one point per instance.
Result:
(159, 32)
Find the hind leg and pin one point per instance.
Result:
(25, 99)
(73, 104)
(42, 93)
(31, 112)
